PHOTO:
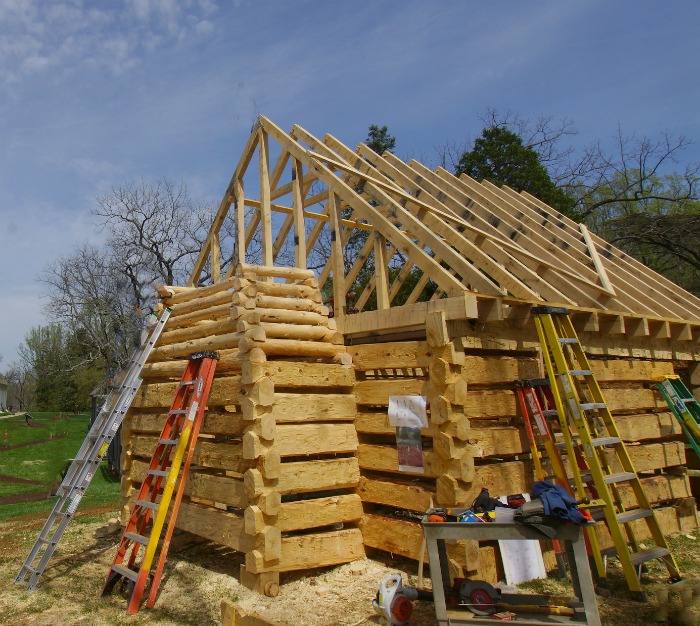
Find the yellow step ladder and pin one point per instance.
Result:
(586, 418)
(162, 488)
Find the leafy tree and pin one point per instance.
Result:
(21, 388)
(663, 234)
(44, 352)
(379, 139)
(500, 156)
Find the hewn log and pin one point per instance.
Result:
(301, 332)
(306, 514)
(290, 347)
(225, 456)
(290, 304)
(379, 356)
(220, 342)
(378, 424)
(195, 302)
(403, 495)
(220, 311)
(310, 551)
(299, 439)
(183, 294)
(294, 273)
(385, 458)
(292, 374)
(213, 423)
(229, 361)
(225, 390)
(197, 331)
(317, 407)
(306, 477)
(223, 528)
(281, 290)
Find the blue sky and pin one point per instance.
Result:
(96, 94)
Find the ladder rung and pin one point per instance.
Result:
(157, 472)
(580, 372)
(571, 340)
(126, 572)
(605, 441)
(169, 442)
(630, 516)
(142, 539)
(688, 400)
(643, 556)
(178, 412)
(147, 505)
(621, 477)
(550, 413)
(187, 383)
(592, 406)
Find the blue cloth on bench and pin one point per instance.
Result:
(558, 502)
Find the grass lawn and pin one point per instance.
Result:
(38, 452)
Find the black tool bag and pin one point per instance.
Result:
(532, 514)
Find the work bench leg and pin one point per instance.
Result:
(581, 579)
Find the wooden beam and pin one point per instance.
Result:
(597, 261)
(380, 272)
(337, 260)
(299, 224)
(265, 210)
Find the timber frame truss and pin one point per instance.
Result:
(384, 232)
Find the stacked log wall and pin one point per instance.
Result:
(475, 437)
(275, 468)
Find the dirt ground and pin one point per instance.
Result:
(200, 574)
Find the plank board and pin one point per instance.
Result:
(216, 525)
(308, 476)
(319, 512)
(299, 439)
(310, 551)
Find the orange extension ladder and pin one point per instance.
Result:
(173, 452)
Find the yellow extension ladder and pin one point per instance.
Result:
(586, 423)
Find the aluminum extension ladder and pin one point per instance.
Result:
(587, 424)
(684, 406)
(155, 502)
(87, 460)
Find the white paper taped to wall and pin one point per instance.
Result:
(408, 411)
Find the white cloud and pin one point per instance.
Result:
(36, 36)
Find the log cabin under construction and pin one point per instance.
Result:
(333, 279)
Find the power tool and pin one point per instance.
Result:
(393, 601)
